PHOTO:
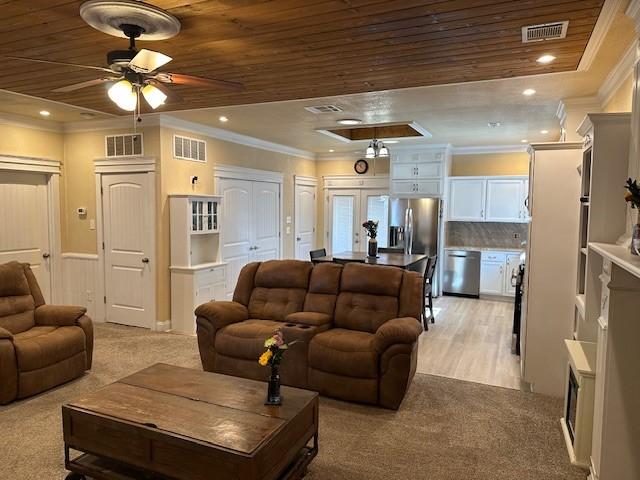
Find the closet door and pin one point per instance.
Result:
(374, 205)
(265, 224)
(344, 230)
(236, 234)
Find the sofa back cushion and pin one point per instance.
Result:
(369, 296)
(17, 305)
(324, 286)
(279, 288)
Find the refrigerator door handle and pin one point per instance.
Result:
(408, 231)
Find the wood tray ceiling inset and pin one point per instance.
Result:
(381, 132)
(290, 49)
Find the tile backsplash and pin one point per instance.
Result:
(486, 234)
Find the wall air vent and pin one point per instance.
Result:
(186, 148)
(544, 31)
(323, 109)
(128, 145)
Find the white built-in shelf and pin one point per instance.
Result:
(580, 303)
(582, 356)
(618, 255)
(195, 268)
(583, 251)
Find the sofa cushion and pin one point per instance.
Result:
(245, 339)
(283, 274)
(324, 285)
(13, 281)
(244, 285)
(371, 279)
(275, 303)
(41, 350)
(17, 313)
(363, 312)
(344, 352)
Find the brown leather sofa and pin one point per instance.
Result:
(41, 346)
(359, 326)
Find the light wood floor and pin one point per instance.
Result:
(471, 340)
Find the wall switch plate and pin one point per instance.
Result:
(288, 230)
(288, 218)
(82, 211)
(92, 224)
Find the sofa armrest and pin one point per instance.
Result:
(221, 314)
(58, 315)
(5, 334)
(313, 319)
(404, 330)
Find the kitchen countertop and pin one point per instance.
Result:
(486, 249)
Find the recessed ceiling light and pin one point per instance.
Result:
(544, 132)
(494, 124)
(223, 119)
(45, 113)
(391, 141)
(524, 140)
(349, 121)
(546, 59)
(331, 150)
(528, 92)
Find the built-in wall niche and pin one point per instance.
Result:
(194, 229)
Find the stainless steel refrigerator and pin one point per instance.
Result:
(414, 224)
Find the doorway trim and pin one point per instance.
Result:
(254, 175)
(51, 168)
(103, 166)
(304, 181)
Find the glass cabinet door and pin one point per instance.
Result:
(194, 216)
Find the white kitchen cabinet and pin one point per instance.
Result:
(504, 200)
(420, 172)
(423, 187)
(492, 278)
(496, 269)
(467, 199)
(511, 272)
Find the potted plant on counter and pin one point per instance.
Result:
(372, 232)
(633, 197)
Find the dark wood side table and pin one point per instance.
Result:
(169, 422)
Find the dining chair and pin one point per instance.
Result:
(428, 289)
(344, 261)
(389, 250)
(321, 252)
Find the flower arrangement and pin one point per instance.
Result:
(275, 349)
(632, 195)
(372, 228)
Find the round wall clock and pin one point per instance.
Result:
(361, 166)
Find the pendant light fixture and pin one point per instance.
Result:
(376, 149)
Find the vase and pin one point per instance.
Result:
(373, 247)
(635, 236)
(273, 388)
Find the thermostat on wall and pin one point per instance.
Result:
(82, 211)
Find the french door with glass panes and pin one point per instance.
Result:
(348, 210)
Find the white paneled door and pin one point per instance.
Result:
(251, 220)
(127, 211)
(305, 220)
(24, 224)
(348, 210)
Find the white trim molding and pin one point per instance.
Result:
(305, 180)
(242, 173)
(608, 13)
(28, 122)
(618, 75)
(633, 11)
(488, 149)
(553, 146)
(125, 164)
(29, 164)
(355, 181)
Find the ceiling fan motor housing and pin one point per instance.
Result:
(120, 58)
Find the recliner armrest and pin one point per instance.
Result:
(404, 330)
(58, 315)
(221, 314)
(5, 334)
(313, 319)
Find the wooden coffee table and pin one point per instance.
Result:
(168, 422)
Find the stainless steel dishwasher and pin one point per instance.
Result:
(462, 273)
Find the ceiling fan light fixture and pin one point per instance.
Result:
(384, 151)
(123, 95)
(370, 152)
(154, 96)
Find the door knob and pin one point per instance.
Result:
(298, 239)
(145, 260)
(45, 255)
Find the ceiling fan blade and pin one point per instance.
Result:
(78, 86)
(38, 60)
(181, 79)
(147, 61)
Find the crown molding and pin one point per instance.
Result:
(29, 122)
(229, 136)
(618, 74)
(608, 13)
(479, 149)
(117, 123)
(633, 11)
(243, 173)
(534, 147)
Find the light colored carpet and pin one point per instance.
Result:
(446, 429)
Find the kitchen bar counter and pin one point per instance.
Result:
(486, 249)
(389, 259)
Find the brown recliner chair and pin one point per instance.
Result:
(41, 346)
(370, 356)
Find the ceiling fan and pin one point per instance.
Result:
(132, 71)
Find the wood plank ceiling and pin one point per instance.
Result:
(291, 49)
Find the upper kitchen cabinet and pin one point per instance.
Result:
(420, 172)
(488, 199)
(467, 200)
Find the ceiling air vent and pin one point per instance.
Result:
(128, 145)
(186, 148)
(544, 31)
(323, 109)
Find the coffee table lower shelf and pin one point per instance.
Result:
(87, 466)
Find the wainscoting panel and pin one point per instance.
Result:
(79, 281)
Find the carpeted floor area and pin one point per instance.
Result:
(446, 429)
